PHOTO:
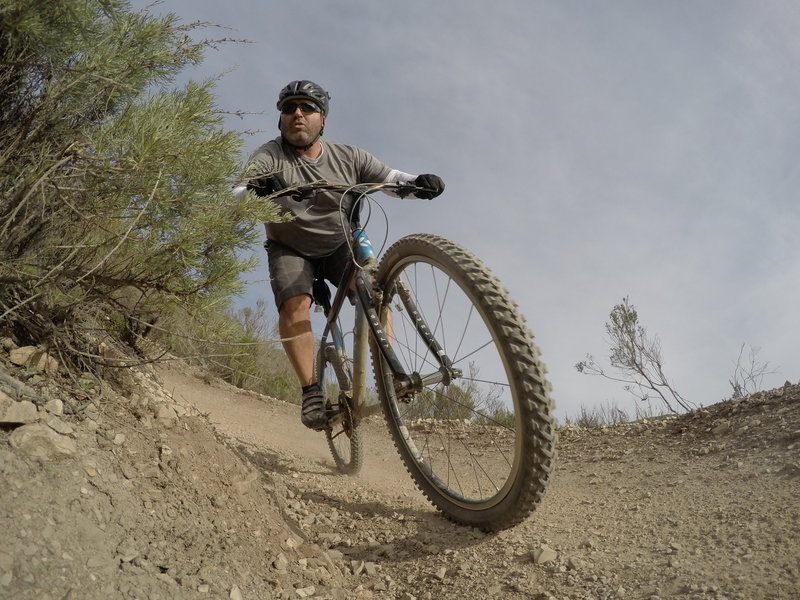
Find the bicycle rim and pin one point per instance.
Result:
(481, 447)
(343, 433)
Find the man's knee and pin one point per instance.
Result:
(294, 307)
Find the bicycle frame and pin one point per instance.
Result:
(368, 323)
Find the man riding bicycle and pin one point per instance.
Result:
(313, 241)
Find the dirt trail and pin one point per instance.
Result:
(636, 511)
(276, 425)
(193, 490)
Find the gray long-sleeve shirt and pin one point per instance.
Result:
(317, 227)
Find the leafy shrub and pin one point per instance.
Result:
(116, 203)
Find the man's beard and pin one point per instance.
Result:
(301, 138)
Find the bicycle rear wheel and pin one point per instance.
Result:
(481, 447)
(342, 432)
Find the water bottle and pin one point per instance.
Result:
(362, 246)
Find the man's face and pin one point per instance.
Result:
(300, 127)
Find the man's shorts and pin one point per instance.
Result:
(291, 274)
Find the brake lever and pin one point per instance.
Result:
(298, 194)
(303, 193)
(403, 190)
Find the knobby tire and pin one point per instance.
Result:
(481, 448)
(344, 435)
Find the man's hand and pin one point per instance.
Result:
(266, 186)
(431, 186)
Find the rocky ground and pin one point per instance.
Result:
(172, 487)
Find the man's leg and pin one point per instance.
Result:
(294, 325)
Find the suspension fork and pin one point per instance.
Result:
(360, 355)
(405, 383)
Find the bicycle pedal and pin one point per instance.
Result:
(333, 415)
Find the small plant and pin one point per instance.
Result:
(610, 414)
(748, 373)
(637, 357)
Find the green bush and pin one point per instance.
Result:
(116, 203)
(238, 347)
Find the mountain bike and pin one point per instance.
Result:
(458, 377)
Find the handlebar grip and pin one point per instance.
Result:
(301, 193)
(298, 194)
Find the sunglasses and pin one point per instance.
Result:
(305, 107)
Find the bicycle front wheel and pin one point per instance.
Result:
(480, 444)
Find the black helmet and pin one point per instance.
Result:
(304, 89)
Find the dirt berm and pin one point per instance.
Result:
(176, 488)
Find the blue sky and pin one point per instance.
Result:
(591, 150)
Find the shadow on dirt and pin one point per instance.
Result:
(425, 528)
(265, 461)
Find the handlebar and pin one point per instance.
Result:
(307, 191)
(304, 192)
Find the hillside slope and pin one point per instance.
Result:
(182, 489)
